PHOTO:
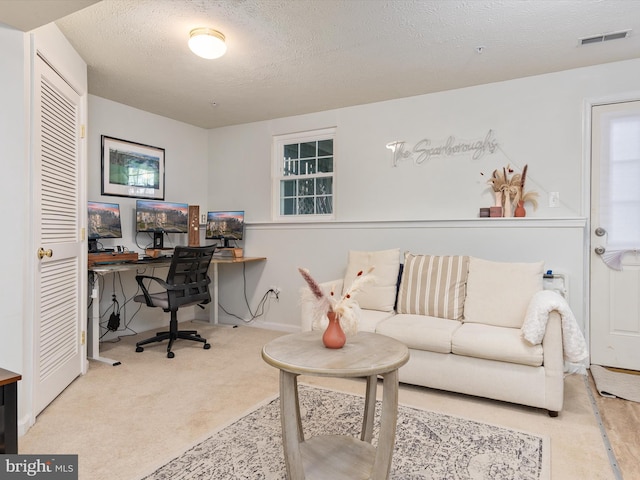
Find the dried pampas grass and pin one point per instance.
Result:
(346, 306)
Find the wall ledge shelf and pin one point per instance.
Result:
(487, 222)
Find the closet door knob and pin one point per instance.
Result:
(44, 253)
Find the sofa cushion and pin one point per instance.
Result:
(381, 293)
(420, 332)
(370, 319)
(495, 343)
(498, 293)
(433, 286)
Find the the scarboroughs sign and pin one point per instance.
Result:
(425, 149)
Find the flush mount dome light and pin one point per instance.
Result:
(207, 43)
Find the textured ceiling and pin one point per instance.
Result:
(288, 57)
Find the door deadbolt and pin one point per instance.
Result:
(599, 250)
(600, 232)
(44, 253)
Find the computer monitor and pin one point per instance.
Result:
(225, 226)
(159, 218)
(103, 222)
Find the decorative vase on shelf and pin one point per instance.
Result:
(507, 207)
(520, 211)
(334, 336)
(498, 199)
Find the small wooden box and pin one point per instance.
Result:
(158, 252)
(229, 252)
(495, 211)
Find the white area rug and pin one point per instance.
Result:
(616, 384)
(428, 445)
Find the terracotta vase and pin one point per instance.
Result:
(520, 211)
(334, 336)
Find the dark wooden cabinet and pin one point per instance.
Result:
(8, 411)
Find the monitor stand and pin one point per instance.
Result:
(158, 239)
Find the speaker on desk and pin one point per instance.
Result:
(194, 226)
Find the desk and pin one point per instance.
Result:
(9, 411)
(337, 456)
(93, 346)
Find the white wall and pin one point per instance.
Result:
(537, 121)
(186, 173)
(14, 195)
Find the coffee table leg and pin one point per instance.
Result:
(291, 425)
(388, 420)
(369, 409)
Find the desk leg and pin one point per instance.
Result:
(93, 345)
(388, 420)
(213, 309)
(291, 426)
(369, 409)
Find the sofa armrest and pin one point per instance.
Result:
(307, 311)
(553, 361)
(552, 343)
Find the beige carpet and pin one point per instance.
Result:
(616, 384)
(126, 420)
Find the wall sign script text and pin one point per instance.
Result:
(423, 150)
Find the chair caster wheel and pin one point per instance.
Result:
(207, 346)
(139, 349)
(170, 354)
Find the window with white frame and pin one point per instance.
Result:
(304, 174)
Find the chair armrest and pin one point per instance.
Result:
(141, 278)
(308, 314)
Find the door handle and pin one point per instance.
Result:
(599, 250)
(44, 253)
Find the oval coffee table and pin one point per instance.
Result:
(337, 456)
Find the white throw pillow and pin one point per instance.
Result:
(498, 293)
(381, 293)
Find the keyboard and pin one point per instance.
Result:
(152, 259)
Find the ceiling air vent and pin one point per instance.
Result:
(605, 37)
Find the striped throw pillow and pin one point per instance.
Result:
(433, 286)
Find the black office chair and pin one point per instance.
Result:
(187, 284)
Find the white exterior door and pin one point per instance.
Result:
(615, 235)
(56, 205)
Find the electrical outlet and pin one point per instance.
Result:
(203, 218)
(275, 289)
(554, 199)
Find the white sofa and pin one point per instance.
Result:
(461, 318)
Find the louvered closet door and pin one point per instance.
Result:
(58, 346)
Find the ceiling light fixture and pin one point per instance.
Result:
(207, 43)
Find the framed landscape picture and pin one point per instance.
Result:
(131, 169)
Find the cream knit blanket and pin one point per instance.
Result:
(535, 324)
